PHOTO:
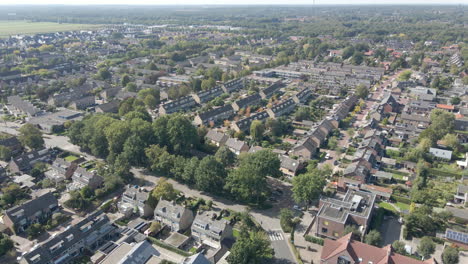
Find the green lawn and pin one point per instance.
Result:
(402, 206)
(387, 206)
(235, 233)
(8, 28)
(71, 158)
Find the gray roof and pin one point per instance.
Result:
(197, 259)
(289, 163)
(216, 136)
(24, 106)
(205, 223)
(87, 231)
(169, 210)
(459, 213)
(235, 144)
(29, 208)
(441, 153)
(111, 107)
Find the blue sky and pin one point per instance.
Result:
(224, 2)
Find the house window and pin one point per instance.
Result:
(325, 223)
(335, 234)
(324, 230)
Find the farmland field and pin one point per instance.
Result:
(8, 28)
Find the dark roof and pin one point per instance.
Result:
(29, 208)
(111, 107)
(87, 230)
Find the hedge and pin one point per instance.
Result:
(169, 247)
(400, 199)
(314, 240)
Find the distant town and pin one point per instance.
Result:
(241, 135)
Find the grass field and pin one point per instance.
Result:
(8, 28)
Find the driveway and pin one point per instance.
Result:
(390, 231)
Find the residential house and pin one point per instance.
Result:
(415, 120)
(233, 85)
(88, 234)
(37, 210)
(305, 148)
(181, 104)
(208, 95)
(81, 178)
(110, 107)
(213, 116)
(302, 96)
(449, 108)
(13, 144)
(208, 229)
(244, 124)
(389, 104)
(290, 166)
(461, 196)
(60, 170)
(270, 90)
(237, 146)
(441, 153)
(134, 200)
(247, 101)
(133, 253)
(217, 138)
(355, 208)
(358, 170)
(345, 250)
(282, 108)
(26, 161)
(18, 107)
(175, 216)
(461, 124)
(83, 103)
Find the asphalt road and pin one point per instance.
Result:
(269, 218)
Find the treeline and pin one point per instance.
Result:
(167, 145)
(243, 179)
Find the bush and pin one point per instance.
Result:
(314, 240)
(401, 199)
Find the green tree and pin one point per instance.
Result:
(5, 153)
(31, 136)
(125, 80)
(189, 170)
(225, 156)
(159, 159)
(6, 244)
(455, 100)
(308, 187)
(208, 84)
(103, 74)
(399, 247)
(256, 130)
(373, 238)
(251, 248)
(286, 220)
(450, 255)
(426, 247)
(163, 190)
(150, 101)
(210, 175)
(362, 91)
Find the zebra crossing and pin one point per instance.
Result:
(275, 235)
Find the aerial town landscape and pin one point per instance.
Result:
(234, 134)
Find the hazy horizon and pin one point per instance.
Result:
(228, 3)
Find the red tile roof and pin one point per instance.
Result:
(444, 106)
(365, 253)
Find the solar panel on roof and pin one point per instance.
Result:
(457, 236)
